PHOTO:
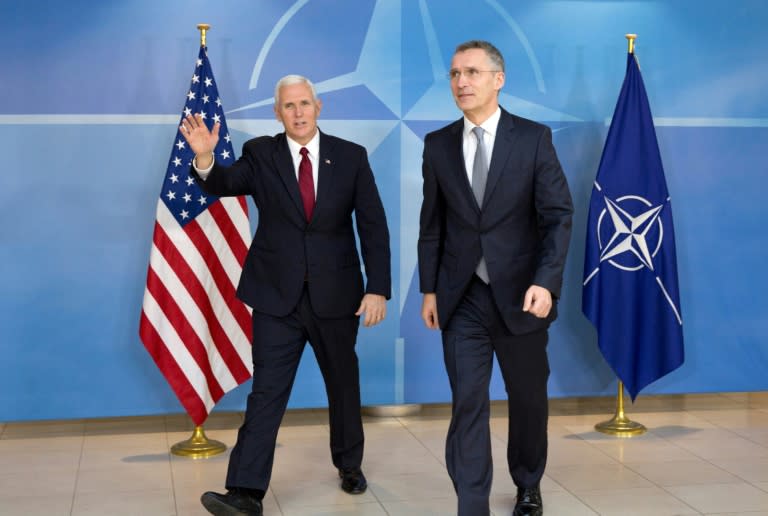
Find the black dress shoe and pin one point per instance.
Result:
(528, 502)
(353, 481)
(234, 503)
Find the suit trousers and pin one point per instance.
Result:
(278, 344)
(471, 337)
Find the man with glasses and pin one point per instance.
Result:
(494, 232)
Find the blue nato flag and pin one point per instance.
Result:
(630, 291)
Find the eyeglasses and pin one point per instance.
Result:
(469, 73)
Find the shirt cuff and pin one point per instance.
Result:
(202, 173)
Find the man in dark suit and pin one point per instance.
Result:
(495, 226)
(302, 278)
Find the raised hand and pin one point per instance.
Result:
(200, 139)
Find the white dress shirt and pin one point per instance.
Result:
(469, 142)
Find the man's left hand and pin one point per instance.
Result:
(538, 301)
(374, 307)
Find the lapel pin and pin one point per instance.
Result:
(327, 162)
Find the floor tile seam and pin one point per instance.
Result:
(409, 499)
(628, 464)
(698, 455)
(603, 452)
(376, 498)
(746, 481)
(739, 480)
(77, 473)
(703, 413)
(429, 451)
(274, 496)
(721, 468)
(587, 491)
(705, 459)
(170, 467)
(663, 488)
(575, 495)
(750, 439)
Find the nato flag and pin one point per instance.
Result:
(630, 288)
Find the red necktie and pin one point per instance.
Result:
(306, 184)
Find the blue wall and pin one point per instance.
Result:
(91, 93)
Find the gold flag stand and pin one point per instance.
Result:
(620, 425)
(199, 446)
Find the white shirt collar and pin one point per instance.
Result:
(489, 126)
(313, 145)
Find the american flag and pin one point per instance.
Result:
(196, 330)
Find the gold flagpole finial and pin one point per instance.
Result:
(631, 41)
(202, 27)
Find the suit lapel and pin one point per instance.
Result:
(502, 147)
(286, 170)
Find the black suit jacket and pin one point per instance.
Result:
(286, 249)
(523, 229)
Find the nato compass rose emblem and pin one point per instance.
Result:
(629, 242)
(630, 234)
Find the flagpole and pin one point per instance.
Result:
(620, 425)
(199, 446)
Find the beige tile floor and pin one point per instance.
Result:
(702, 454)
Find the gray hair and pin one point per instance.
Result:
(288, 80)
(492, 52)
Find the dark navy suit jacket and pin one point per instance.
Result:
(523, 229)
(287, 250)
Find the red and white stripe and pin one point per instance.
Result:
(192, 324)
